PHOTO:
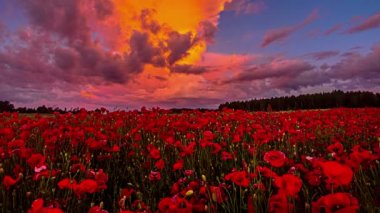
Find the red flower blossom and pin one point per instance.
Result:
(313, 177)
(189, 172)
(216, 148)
(38, 207)
(288, 184)
(337, 174)
(46, 173)
(8, 181)
(335, 148)
(78, 167)
(160, 164)
(154, 152)
(36, 161)
(275, 158)
(178, 165)
(336, 203)
(101, 179)
(165, 204)
(239, 178)
(86, 186)
(66, 183)
(266, 172)
(154, 176)
(217, 194)
(226, 156)
(279, 204)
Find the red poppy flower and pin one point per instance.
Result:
(66, 183)
(337, 174)
(101, 179)
(45, 173)
(154, 152)
(165, 204)
(288, 184)
(216, 148)
(335, 148)
(38, 207)
(313, 177)
(275, 158)
(36, 161)
(226, 156)
(86, 186)
(239, 178)
(160, 164)
(279, 204)
(266, 172)
(8, 181)
(78, 167)
(217, 194)
(154, 176)
(337, 203)
(178, 165)
(250, 205)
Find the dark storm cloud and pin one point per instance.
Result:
(178, 45)
(62, 17)
(65, 58)
(207, 31)
(103, 8)
(189, 69)
(365, 67)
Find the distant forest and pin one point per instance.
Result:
(309, 101)
(6, 106)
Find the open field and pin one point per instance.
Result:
(226, 161)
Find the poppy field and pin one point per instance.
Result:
(215, 161)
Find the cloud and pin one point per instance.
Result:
(363, 67)
(285, 76)
(333, 29)
(280, 34)
(189, 69)
(69, 46)
(273, 69)
(178, 45)
(371, 22)
(322, 55)
(245, 6)
(65, 18)
(103, 8)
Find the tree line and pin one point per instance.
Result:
(333, 99)
(326, 100)
(6, 106)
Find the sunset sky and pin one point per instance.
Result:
(125, 54)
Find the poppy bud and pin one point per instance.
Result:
(189, 193)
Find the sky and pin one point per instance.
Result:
(125, 54)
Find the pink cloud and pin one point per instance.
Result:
(275, 68)
(246, 6)
(323, 55)
(280, 34)
(371, 22)
(333, 29)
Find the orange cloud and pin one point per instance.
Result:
(176, 32)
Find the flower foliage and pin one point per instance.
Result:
(215, 161)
